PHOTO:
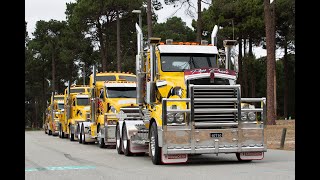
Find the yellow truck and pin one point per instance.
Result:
(110, 91)
(58, 107)
(77, 109)
(47, 118)
(190, 104)
(53, 114)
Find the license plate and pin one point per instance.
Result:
(216, 135)
(251, 153)
(176, 156)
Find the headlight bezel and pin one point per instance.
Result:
(177, 118)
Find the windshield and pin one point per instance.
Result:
(83, 101)
(78, 90)
(105, 78)
(128, 78)
(60, 106)
(121, 92)
(180, 62)
(58, 98)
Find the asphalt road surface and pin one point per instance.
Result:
(52, 158)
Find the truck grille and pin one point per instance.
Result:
(214, 104)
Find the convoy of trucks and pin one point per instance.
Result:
(182, 101)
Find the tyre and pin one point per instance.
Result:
(62, 133)
(79, 135)
(100, 139)
(155, 150)
(125, 142)
(59, 133)
(238, 157)
(118, 141)
(71, 136)
(83, 135)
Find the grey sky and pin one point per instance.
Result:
(54, 9)
(36, 10)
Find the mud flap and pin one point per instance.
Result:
(138, 148)
(251, 155)
(173, 158)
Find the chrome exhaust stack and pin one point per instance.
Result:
(228, 45)
(214, 35)
(93, 110)
(139, 67)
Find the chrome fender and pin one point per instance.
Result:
(131, 127)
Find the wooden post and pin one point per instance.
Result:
(283, 137)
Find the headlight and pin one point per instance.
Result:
(113, 109)
(176, 91)
(179, 117)
(243, 116)
(170, 117)
(111, 122)
(252, 116)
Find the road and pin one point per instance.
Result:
(51, 158)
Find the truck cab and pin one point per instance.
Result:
(110, 91)
(58, 108)
(77, 110)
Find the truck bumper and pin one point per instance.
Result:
(213, 141)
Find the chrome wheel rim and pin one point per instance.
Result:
(152, 143)
(118, 138)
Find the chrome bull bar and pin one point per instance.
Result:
(246, 136)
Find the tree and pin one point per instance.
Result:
(243, 21)
(190, 11)
(174, 28)
(94, 19)
(47, 43)
(285, 26)
(270, 38)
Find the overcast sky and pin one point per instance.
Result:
(36, 10)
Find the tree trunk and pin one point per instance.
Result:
(149, 18)
(36, 112)
(199, 22)
(118, 43)
(53, 70)
(252, 71)
(250, 47)
(44, 104)
(286, 79)
(270, 38)
(253, 81)
(103, 49)
(275, 89)
(244, 47)
(273, 12)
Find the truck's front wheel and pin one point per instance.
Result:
(79, 134)
(155, 150)
(125, 142)
(60, 131)
(83, 135)
(118, 141)
(100, 139)
(71, 136)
